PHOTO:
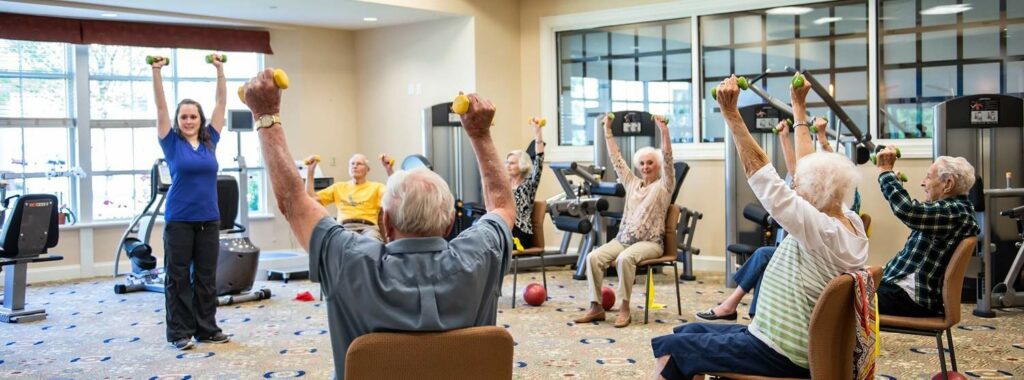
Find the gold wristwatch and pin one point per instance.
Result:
(266, 121)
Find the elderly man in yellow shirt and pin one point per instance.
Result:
(357, 200)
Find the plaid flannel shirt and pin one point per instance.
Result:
(936, 230)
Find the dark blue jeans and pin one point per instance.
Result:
(697, 348)
(749, 275)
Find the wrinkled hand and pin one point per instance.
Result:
(799, 95)
(822, 125)
(160, 63)
(535, 123)
(783, 128)
(262, 95)
(217, 63)
(608, 118)
(728, 94)
(659, 120)
(886, 159)
(312, 161)
(477, 120)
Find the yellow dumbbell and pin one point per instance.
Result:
(460, 104)
(541, 122)
(311, 160)
(280, 80)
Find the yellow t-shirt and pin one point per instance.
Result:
(354, 201)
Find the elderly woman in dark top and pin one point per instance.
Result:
(524, 177)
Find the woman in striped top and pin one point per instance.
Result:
(825, 240)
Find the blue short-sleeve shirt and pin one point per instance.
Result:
(411, 284)
(193, 193)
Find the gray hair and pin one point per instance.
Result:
(957, 169)
(825, 179)
(525, 165)
(418, 202)
(640, 153)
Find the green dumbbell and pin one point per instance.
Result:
(775, 130)
(151, 59)
(741, 82)
(222, 57)
(874, 157)
(798, 80)
(902, 177)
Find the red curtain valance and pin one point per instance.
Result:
(56, 29)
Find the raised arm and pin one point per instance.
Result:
(538, 136)
(822, 125)
(787, 148)
(668, 167)
(302, 212)
(930, 217)
(621, 168)
(217, 119)
(751, 154)
(163, 117)
(497, 191)
(311, 162)
(804, 145)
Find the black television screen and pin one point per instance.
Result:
(239, 120)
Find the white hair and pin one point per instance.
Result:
(825, 179)
(957, 169)
(639, 155)
(525, 165)
(418, 202)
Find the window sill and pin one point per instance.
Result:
(123, 223)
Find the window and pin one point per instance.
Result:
(35, 124)
(934, 50)
(643, 67)
(41, 134)
(123, 125)
(828, 40)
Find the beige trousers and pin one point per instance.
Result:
(627, 257)
(367, 230)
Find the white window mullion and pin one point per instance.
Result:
(83, 135)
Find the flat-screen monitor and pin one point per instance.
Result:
(239, 120)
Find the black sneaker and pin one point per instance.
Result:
(183, 344)
(710, 316)
(217, 338)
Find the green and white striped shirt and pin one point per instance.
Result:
(818, 249)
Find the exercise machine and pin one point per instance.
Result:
(29, 230)
(987, 130)
(577, 210)
(1006, 293)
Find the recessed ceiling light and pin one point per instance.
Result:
(369, 19)
(826, 20)
(950, 9)
(108, 14)
(790, 11)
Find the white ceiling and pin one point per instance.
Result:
(334, 14)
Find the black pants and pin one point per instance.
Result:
(893, 300)
(190, 282)
(525, 239)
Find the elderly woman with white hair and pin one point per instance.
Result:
(524, 178)
(912, 280)
(825, 240)
(643, 221)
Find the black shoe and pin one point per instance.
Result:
(217, 338)
(710, 316)
(183, 344)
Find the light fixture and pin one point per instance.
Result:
(826, 20)
(369, 19)
(950, 9)
(108, 14)
(792, 11)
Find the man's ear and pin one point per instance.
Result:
(451, 225)
(948, 185)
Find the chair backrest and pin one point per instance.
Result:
(227, 201)
(30, 226)
(832, 331)
(953, 281)
(539, 213)
(681, 169)
(671, 240)
(483, 352)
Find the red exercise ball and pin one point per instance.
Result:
(607, 298)
(952, 376)
(535, 295)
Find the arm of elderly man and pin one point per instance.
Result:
(940, 218)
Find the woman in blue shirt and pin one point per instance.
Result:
(191, 233)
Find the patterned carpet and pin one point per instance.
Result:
(92, 333)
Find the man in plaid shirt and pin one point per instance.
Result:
(912, 281)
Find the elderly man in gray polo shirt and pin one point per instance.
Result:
(419, 281)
